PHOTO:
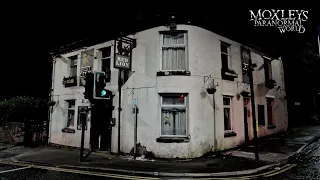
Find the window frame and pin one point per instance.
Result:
(70, 109)
(172, 106)
(71, 66)
(104, 58)
(229, 62)
(231, 112)
(185, 45)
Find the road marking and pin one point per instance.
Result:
(17, 169)
(252, 176)
(266, 173)
(81, 171)
(281, 171)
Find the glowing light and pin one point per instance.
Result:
(103, 92)
(181, 96)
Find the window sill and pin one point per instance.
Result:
(70, 81)
(80, 128)
(68, 130)
(230, 134)
(173, 139)
(173, 73)
(228, 75)
(271, 126)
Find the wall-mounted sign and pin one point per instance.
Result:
(122, 62)
(245, 57)
(123, 53)
(297, 103)
(87, 58)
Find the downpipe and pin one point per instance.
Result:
(50, 99)
(214, 124)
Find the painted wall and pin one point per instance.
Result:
(204, 59)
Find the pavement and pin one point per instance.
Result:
(273, 151)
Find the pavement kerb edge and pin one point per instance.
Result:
(163, 174)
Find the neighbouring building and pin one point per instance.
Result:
(173, 73)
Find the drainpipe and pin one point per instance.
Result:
(50, 97)
(214, 124)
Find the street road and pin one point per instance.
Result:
(305, 167)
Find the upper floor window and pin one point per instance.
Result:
(225, 56)
(106, 62)
(174, 48)
(73, 63)
(267, 69)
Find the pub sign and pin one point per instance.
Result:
(123, 53)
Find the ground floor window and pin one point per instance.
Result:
(173, 115)
(70, 112)
(227, 113)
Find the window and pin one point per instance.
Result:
(173, 115)
(267, 69)
(174, 56)
(73, 65)
(82, 114)
(261, 118)
(270, 110)
(225, 56)
(106, 62)
(227, 113)
(71, 112)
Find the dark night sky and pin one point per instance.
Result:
(31, 31)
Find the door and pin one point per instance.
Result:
(100, 137)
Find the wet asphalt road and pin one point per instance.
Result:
(39, 174)
(10, 172)
(307, 168)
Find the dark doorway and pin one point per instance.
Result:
(100, 133)
(245, 118)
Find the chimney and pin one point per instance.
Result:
(172, 21)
